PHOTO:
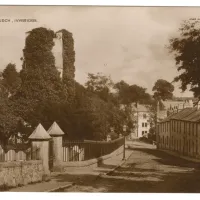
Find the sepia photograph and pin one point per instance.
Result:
(99, 99)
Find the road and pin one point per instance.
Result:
(146, 170)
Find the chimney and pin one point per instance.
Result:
(190, 103)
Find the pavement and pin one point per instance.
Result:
(50, 186)
(147, 170)
(57, 183)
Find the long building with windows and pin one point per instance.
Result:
(180, 132)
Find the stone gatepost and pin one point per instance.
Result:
(57, 134)
(40, 140)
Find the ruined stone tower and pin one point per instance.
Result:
(58, 52)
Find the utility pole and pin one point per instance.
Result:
(124, 130)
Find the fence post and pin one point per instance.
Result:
(40, 140)
(56, 133)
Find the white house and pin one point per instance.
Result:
(141, 117)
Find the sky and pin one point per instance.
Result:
(127, 43)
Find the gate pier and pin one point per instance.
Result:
(40, 140)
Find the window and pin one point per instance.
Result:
(142, 132)
(193, 129)
(178, 127)
(184, 127)
(142, 124)
(189, 145)
(144, 116)
(181, 131)
(193, 147)
(177, 146)
(145, 124)
(189, 129)
(175, 126)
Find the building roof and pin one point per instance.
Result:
(171, 104)
(140, 108)
(187, 114)
(169, 117)
(40, 134)
(55, 130)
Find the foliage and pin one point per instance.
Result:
(91, 117)
(82, 113)
(100, 85)
(68, 64)
(132, 93)
(163, 90)
(11, 80)
(186, 49)
(41, 91)
(9, 120)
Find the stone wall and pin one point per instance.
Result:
(18, 173)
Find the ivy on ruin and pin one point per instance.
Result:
(68, 64)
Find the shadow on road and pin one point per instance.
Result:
(147, 170)
(167, 159)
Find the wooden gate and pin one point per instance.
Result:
(51, 154)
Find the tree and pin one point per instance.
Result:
(93, 115)
(123, 90)
(139, 94)
(68, 64)
(10, 79)
(41, 94)
(8, 120)
(132, 93)
(100, 85)
(186, 50)
(163, 90)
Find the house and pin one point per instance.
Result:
(180, 132)
(141, 115)
(171, 106)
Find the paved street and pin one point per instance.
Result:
(146, 170)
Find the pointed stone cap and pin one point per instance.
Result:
(55, 130)
(39, 134)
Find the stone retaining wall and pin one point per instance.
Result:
(18, 173)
